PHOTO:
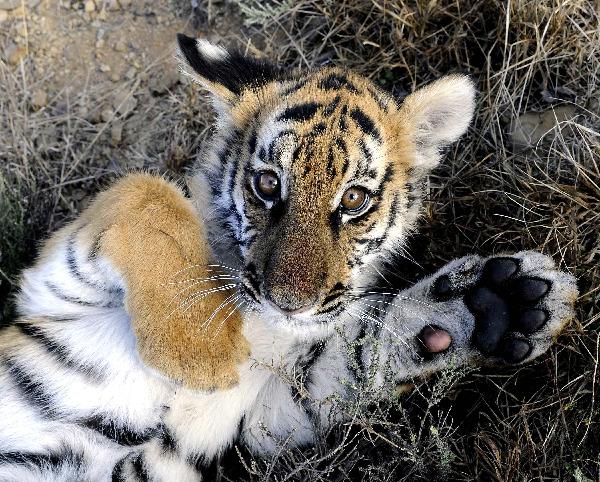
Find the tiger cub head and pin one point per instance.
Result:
(311, 179)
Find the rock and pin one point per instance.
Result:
(115, 77)
(3, 16)
(124, 103)
(116, 132)
(21, 29)
(104, 68)
(39, 99)
(131, 73)
(120, 46)
(33, 3)
(9, 4)
(529, 128)
(14, 53)
(89, 6)
(106, 115)
(112, 5)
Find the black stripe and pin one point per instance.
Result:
(293, 88)
(139, 468)
(299, 112)
(365, 123)
(365, 151)
(314, 354)
(42, 461)
(56, 291)
(262, 154)
(252, 143)
(356, 364)
(59, 351)
(120, 435)
(335, 292)
(31, 390)
(76, 272)
(387, 177)
(338, 81)
(168, 443)
(95, 249)
(330, 108)
(330, 162)
(117, 472)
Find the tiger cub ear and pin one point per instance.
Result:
(437, 115)
(223, 73)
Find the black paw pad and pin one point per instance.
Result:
(530, 290)
(499, 270)
(530, 321)
(492, 318)
(442, 287)
(515, 350)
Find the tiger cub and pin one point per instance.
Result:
(154, 330)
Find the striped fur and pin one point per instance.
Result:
(101, 381)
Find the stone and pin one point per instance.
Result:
(89, 6)
(14, 53)
(116, 132)
(131, 73)
(9, 4)
(124, 103)
(106, 115)
(3, 16)
(120, 46)
(39, 99)
(531, 127)
(105, 68)
(21, 29)
(112, 5)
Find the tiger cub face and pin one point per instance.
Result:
(311, 179)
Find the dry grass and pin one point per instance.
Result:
(540, 422)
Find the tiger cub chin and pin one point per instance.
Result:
(156, 331)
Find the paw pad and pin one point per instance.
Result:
(506, 306)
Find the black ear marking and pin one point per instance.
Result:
(229, 69)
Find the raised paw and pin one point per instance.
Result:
(520, 303)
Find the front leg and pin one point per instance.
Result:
(140, 243)
(502, 309)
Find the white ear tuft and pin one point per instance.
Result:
(210, 50)
(439, 114)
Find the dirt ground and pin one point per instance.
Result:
(90, 90)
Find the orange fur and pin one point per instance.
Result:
(150, 232)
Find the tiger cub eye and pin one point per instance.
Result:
(267, 184)
(354, 199)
